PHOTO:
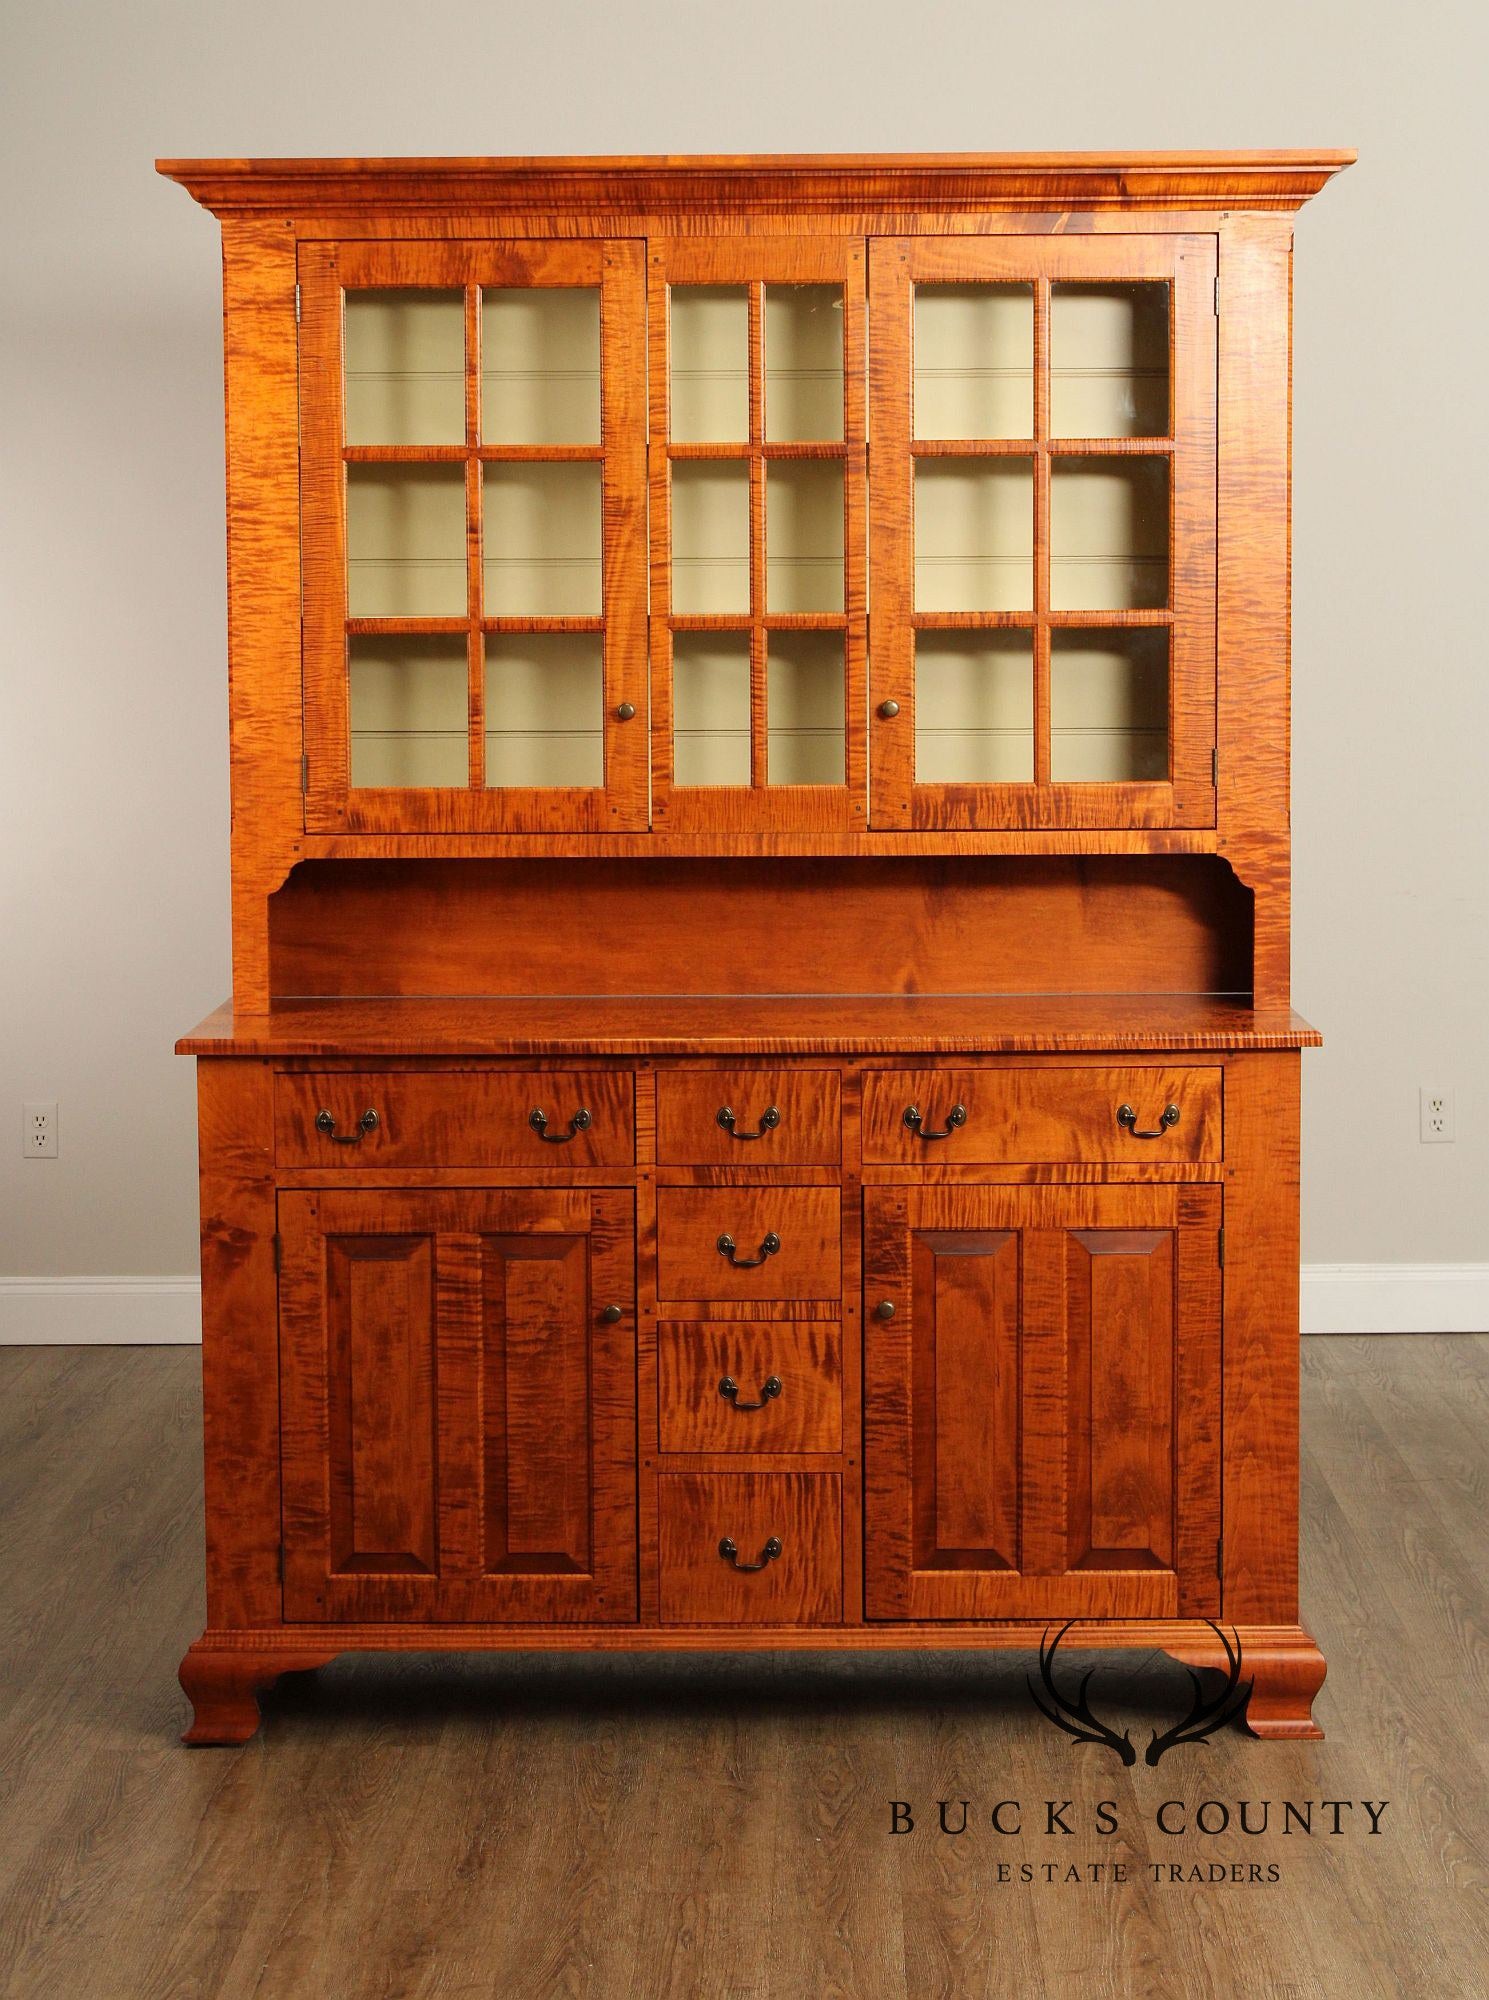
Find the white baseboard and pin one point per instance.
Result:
(99, 1312)
(133, 1312)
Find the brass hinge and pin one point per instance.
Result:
(278, 1252)
(305, 774)
(297, 305)
(1215, 767)
(1220, 1245)
(1217, 294)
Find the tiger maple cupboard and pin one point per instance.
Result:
(760, 1100)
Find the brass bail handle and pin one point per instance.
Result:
(729, 1550)
(1127, 1118)
(324, 1122)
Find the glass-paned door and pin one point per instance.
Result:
(758, 535)
(474, 476)
(1042, 532)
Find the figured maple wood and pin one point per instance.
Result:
(1283, 1664)
(223, 1686)
(805, 1357)
(1098, 925)
(691, 1221)
(715, 186)
(807, 1132)
(1060, 1314)
(801, 1586)
(1041, 1116)
(455, 1118)
(459, 1426)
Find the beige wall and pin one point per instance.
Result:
(113, 924)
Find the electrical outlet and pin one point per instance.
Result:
(39, 1131)
(1437, 1116)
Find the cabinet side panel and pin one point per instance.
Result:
(240, 1343)
(263, 557)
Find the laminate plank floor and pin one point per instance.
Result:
(620, 1826)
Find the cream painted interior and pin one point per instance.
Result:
(405, 367)
(540, 365)
(540, 539)
(710, 386)
(1109, 360)
(803, 363)
(408, 702)
(1108, 534)
(974, 534)
(711, 708)
(710, 536)
(804, 534)
(974, 361)
(1108, 706)
(545, 709)
(804, 739)
(405, 541)
(974, 708)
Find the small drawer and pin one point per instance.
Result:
(455, 1118)
(748, 1243)
(750, 1385)
(749, 1118)
(750, 1548)
(1042, 1117)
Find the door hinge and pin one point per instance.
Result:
(305, 774)
(1217, 294)
(297, 305)
(1220, 1246)
(278, 1252)
(1215, 767)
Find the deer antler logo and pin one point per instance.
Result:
(1078, 1721)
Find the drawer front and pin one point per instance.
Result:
(748, 1118)
(455, 1118)
(748, 1243)
(1042, 1117)
(750, 1385)
(704, 1585)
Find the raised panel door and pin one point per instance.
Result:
(1042, 1401)
(458, 1408)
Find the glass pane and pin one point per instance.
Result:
(974, 361)
(405, 541)
(710, 536)
(1108, 707)
(803, 362)
(804, 535)
(710, 364)
(541, 540)
(1108, 534)
(974, 708)
(545, 709)
(711, 708)
(1108, 361)
(408, 712)
(804, 709)
(974, 534)
(405, 367)
(540, 366)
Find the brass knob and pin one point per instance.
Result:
(625, 712)
(889, 710)
(885, 1309)
(610, 1315)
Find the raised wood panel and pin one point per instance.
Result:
(691, 1222)
(699, 1585)
(455, 1118)
(1096, 925)
(803, 1356)
(1042, 1116)
(458, 1415)
(1084, 1322)
(807, 1131)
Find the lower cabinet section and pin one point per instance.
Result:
(750, 1548)
(458, 1404)
(1042, 1402)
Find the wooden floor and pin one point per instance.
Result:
(627, 1827)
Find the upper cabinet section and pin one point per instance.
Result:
(473, 527)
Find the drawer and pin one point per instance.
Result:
(749, 1118)
(455, 1118)
(1042, 1117)
(791, 1369)
(748, 1243)
(798, 1514)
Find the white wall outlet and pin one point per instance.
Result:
(1437, 1115)
(39, 1131)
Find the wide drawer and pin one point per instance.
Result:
(748, 1118)
(748, 1243)
(455, 1118)
(750, 1385)
(1042, 1117)
(786, 1527)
